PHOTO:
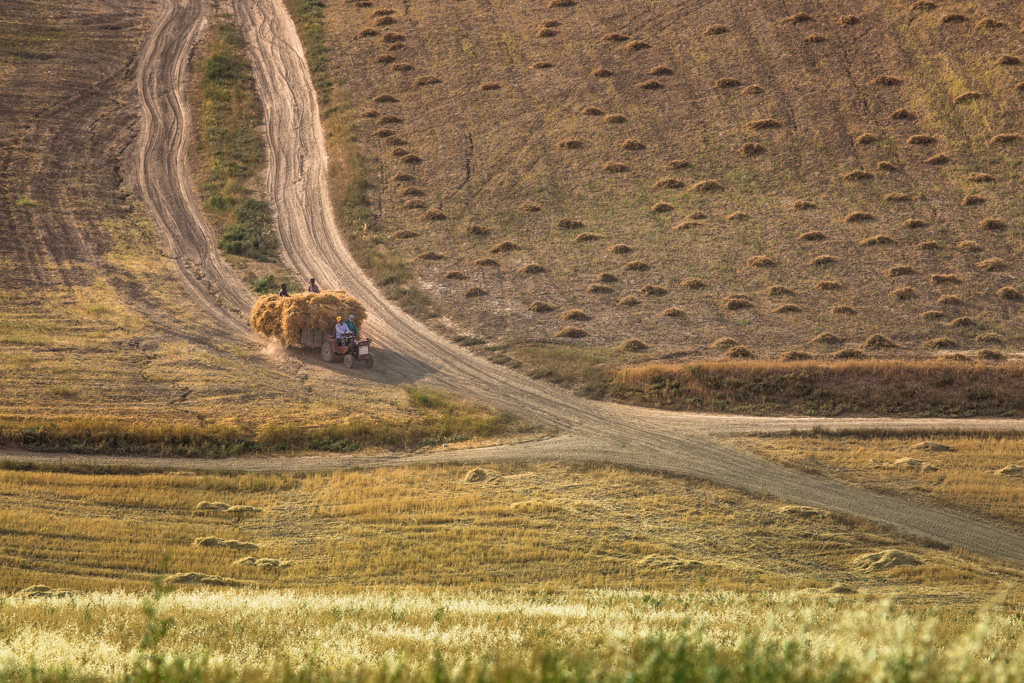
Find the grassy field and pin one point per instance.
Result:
(980, 474)
(797, 174)
(535, 527)
(384, 635)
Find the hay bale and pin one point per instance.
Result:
(615, 118)
(716, 30)
(661, 70)
(706, 186)
(753, 89)
(571, 333)
(1010, 60)
(992, 265)
(739, 352)
(903, 293)
(950, 300)
(474, 292)
(633, 345)
(662, 207)
(615, 37)
(843, 310)
(620, 249)
(885, 166)
(859, 217)
(946, 279)
(669, 182)
(912, 223)
(812, 236)
(614, 167)
(587, 237)
(654, 290)
(803, 205)
(677, 164)
(602, 73)
(788, 308)
(599, 289)
(920, 139)
(858, 174)
(937, 160)
(406, 234)
(828, 339)
(726, 83)
(848, 354)
(953, 18)
(284, 318)
(1009, 293)
(693, 283)
(636, 266)
(591, 111)
(751, 149)
(673, 312)
(991, 338)
(941, 343)
(876, 239)
(885, 559)
(877, 341)
(737, 216)
(993, 224)
(628, 300)
(901, 114)
(796, 355)
(575, 315)
(243, 510)
(541, 307)
(503, 247)
(1011, 471)
(823, 260)
(262, 562)
(636, 45)
(486, 262)
(888, 81)
(763, 124)
(195, 578)
(972, 200)
(902, 269)
(607, 277)
(760, 261)
(962, 321)
(532, 269)
(632, 144)
(212, 506)
(780, 290)
(427, 80)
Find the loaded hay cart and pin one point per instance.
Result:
(307, 321)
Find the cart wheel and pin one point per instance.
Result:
(347, 359)
(327, 352)
(368, 362)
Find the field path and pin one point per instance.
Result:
(677, 443)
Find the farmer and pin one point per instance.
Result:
(350, 324)
(340, 329)
(313, 286)
(284, 290)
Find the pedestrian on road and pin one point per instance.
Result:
(284, 289)
(313, 287)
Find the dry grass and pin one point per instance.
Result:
(965, 476)
(516, 160)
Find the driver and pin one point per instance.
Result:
(350, 324)
(340, 329)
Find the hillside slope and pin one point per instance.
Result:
(679, 172)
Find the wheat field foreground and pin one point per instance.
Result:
(397, 635)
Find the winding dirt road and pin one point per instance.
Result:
(677, 443)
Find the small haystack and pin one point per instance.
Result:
(284, 318)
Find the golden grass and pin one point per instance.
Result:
(601, 635)
(965, 476)
(548, 527)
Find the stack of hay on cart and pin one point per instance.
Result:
(285, 317)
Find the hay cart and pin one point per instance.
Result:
(349, 350)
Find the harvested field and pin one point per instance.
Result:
(906, 151)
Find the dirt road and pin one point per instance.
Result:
(678, 443)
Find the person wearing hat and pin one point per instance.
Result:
(350, 324)
(340, 328)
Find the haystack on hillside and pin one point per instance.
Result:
(284, 318)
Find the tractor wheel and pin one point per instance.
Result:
(347, 359)
(327, 352)
(368, 362)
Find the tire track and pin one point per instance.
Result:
(677, 443)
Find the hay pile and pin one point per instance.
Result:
(284, 318)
